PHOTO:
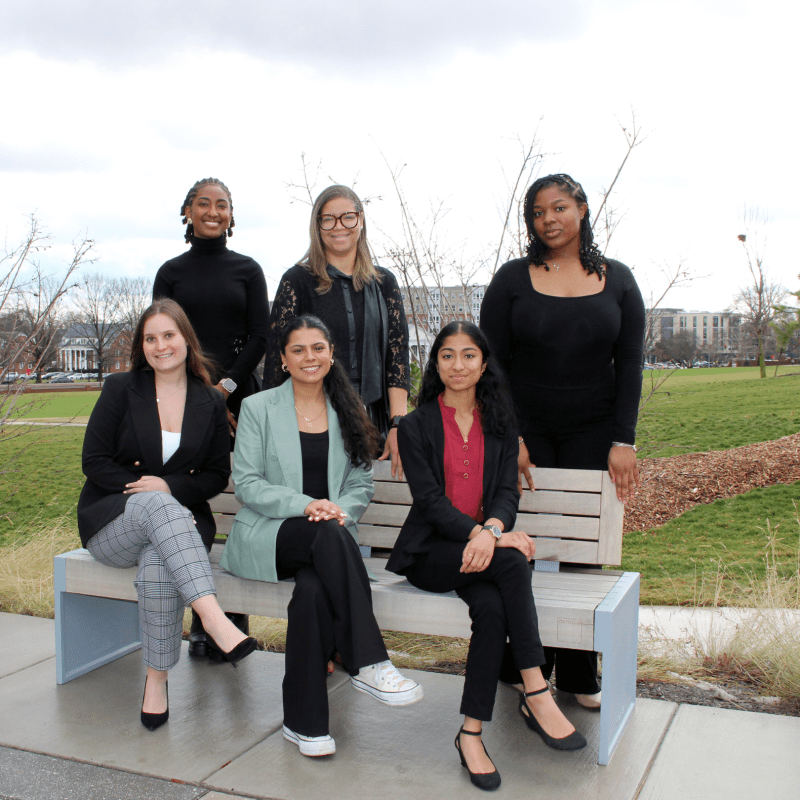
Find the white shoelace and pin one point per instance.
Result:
(388, 672)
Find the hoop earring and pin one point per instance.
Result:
(284, 368)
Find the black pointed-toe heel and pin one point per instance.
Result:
(483, 780)
(242, 650)
(574, 741)
(153, 721)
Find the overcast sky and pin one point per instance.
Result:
(112, 110)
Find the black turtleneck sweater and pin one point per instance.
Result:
(224, 294)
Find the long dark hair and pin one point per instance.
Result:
(591, 258)
(494, 402)
(361, 438)
(196, 363)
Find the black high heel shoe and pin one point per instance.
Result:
(483, 780)
(574, 741)
(242, 650)
(153, 721)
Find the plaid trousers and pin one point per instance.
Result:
(156, 532)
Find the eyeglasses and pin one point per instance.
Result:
(328, 221)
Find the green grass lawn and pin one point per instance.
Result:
(57, 405)
(717, 547)
(45, 477)
(716, 409)
(697, 410)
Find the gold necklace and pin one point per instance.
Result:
(310, 421)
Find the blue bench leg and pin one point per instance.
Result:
(90, 631)
(616, 626)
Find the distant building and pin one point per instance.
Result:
(78, 352)
(433, 307)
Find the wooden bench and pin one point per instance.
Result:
(574, 516)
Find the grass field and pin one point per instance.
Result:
(716, 409)
(57, 405)
(685, 561)
(713, 551)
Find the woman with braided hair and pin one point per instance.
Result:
(567, 325)
(224, 294)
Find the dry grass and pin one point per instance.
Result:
(26, 566)
(762, 648)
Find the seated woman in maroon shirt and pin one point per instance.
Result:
(459, 449)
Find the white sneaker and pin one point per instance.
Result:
(589, 700)
(386, 684)
(311, 745)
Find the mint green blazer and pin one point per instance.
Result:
(268, 478)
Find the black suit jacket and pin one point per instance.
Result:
(421, 441)
(123, 442)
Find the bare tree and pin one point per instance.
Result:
(135, 296)
(29, 320)
(681, 347)
(98, 303)
(757, 300)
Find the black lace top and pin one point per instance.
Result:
(297, 294)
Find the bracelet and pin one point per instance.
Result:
(625, 444)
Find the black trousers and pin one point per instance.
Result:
(501, 607)
(330, 611)
(579, 438)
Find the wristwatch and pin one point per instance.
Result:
(396, 420)
(228, 384)
(494, 530)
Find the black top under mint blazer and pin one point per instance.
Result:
(421, 441)
(123, 442)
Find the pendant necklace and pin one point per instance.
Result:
(175, 391)
(310, 421)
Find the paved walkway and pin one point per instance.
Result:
(84, 740)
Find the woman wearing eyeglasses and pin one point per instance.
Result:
(360, 303)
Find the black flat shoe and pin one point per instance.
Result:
(198, 638)
(153, 721)
(483, 780)
(575, 740)
(242, 650)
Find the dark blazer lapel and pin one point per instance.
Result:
(491, 459)
(195, 426)
(146, 422)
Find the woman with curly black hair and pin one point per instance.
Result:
(302, 468)
(460, 451)
(567, 326)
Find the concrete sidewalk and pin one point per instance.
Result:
(223, 739)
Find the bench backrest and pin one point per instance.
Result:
(574, 515)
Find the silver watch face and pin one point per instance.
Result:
(229, 385)
(494, 530)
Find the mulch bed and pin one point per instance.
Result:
(670, 486)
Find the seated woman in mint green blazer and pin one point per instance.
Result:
(302, 468)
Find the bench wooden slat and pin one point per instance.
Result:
(385, 514)
(559, 527)
(546, 502)
(611, 510)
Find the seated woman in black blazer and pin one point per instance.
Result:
(459, 450)
(156, 450)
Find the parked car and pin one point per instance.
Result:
(61, 379)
